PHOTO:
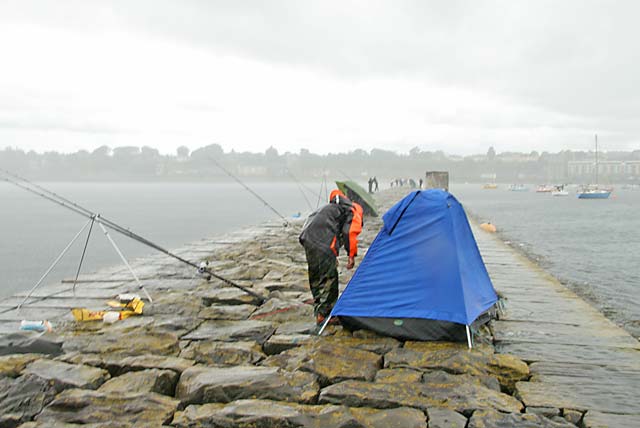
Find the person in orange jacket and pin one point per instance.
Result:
(334, 225)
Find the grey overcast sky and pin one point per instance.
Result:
(328, 76)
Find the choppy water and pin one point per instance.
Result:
(593, 246)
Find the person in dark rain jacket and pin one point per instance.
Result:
(336, 224)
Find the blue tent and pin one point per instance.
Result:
(423, 277)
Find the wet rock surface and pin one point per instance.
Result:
(207, 354)
(331, 362)
(223, 353)
(85, 407)
(151, 380)
(13, 365)
(23, 398)
(231, 331)
(63, 375)
(264, 413)
(210, 384)
(485, 418)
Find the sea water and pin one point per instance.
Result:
(592, 246)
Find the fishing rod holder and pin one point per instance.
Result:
(93, 219)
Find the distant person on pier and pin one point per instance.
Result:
(370, 184)
(336, 224)
(420, 182)
(375, 184)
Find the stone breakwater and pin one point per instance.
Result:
(208, 355)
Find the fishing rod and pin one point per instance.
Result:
(78, 209)
(300, 186)
(286, 223)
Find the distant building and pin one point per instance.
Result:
(581, 170)
(252, 170)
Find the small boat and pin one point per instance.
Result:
(356, 193)
(559, 191)
(544, 188)
(518, 188)
(490, 186)
(595, 192)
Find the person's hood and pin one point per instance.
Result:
(336, 195)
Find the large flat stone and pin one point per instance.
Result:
(445, 418)
(460, 396)
(379, 345)
(152, 380)
(87, 407)
(398, 376)
(296, 327)
(13, 365)
(282, 342)
(229, 331)
(174, 303)
(457, 359)
(206, 384)
(330, 361)
(228, 296)
(64, 375)
(120, 364)
(23, 398)
(278, 310)
(273, 414)
(227, 312)
(488, 418)
(124, 343)
(223, 353)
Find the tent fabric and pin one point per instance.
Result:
(423, 264)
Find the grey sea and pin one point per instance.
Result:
(590, 245)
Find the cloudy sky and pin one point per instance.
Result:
(328, 76)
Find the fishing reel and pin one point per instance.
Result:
(203, 270)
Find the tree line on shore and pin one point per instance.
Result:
(146, 163)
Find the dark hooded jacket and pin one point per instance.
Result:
(336, 224)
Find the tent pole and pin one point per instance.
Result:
(468, 337)
(324, 325)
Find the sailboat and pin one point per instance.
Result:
(593, 192)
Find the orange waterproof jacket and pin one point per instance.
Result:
(336, 224)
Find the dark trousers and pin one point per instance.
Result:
(323, 280)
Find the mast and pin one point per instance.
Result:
(596, 160)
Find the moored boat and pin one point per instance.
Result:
(559, 191)
(544, 188)
(518, 188)
(595, 192)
